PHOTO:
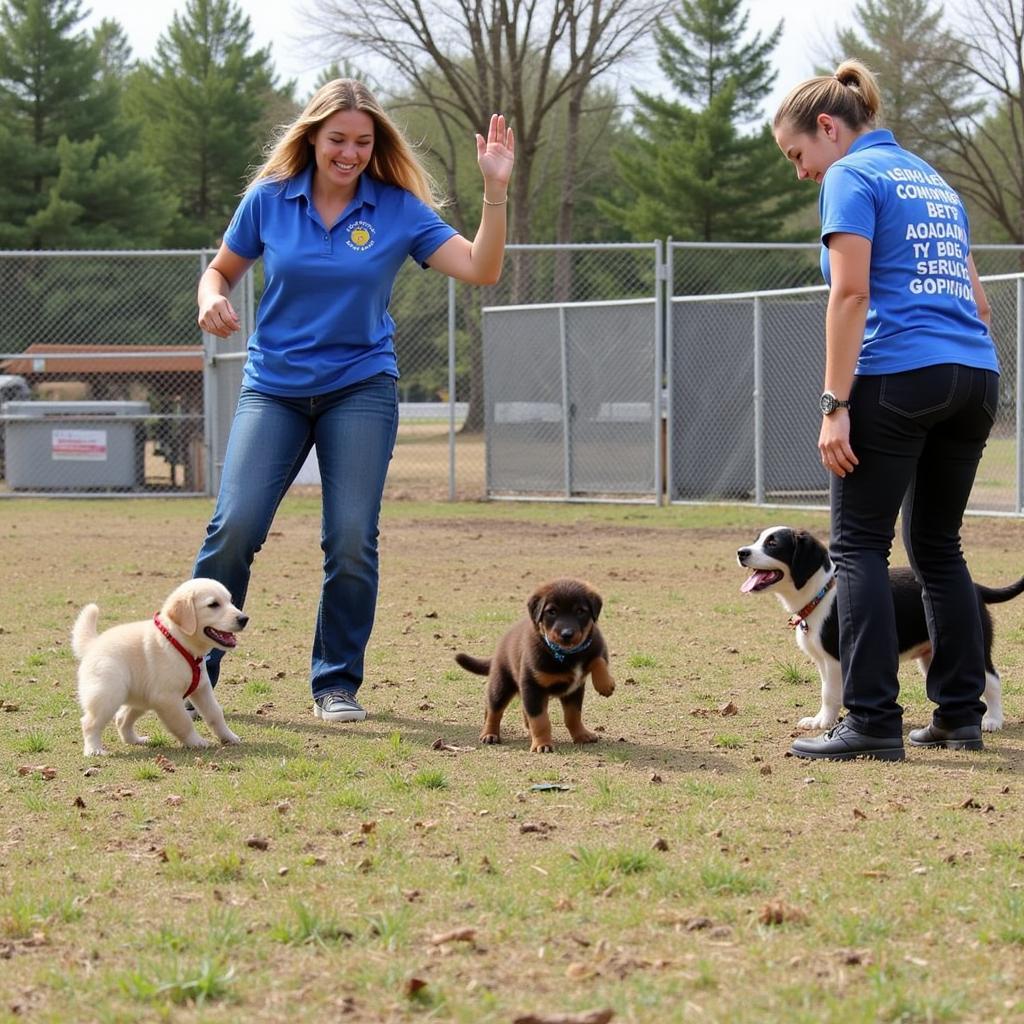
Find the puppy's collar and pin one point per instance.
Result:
(800, 618)
(561, 653)
(196, 664)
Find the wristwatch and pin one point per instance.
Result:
(828, 403)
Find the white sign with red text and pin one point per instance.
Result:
(79, 445)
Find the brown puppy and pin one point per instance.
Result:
(549, 654)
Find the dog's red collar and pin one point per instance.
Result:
(799, 618)
(196, 664)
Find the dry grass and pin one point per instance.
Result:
(684, 868)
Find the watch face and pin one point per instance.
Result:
(827, 403)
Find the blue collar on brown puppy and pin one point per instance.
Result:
(561, 653)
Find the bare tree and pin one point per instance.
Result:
(907, 43)
(984, 150)
(465, 59)
(468, 58)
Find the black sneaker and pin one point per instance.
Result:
(966, 737)
(338, 706)
(844, 743)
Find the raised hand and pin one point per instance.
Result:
(496, 154)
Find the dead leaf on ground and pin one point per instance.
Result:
(859, 814)
(441, 744)
(413, 986)
(539, 827)
(779, 912)
(257, 843)
(725, 710)
(465, 934)
(587, 1017)
(854, 957)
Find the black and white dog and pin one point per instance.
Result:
(798, 568)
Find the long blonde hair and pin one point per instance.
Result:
(851, 94)
(393, 160)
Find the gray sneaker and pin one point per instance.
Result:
(338, 706)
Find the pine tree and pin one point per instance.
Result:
(907, 46)
(690, 171)
(53, 87)
(201, 105)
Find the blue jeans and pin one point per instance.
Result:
(919, 436)
(354, 432)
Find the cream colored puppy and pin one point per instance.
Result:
(154, 664)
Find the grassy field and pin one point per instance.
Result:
(682, 869)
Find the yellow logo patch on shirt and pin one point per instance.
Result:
(360, 236)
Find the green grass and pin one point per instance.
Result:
(313, 871)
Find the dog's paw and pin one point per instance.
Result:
(992, 723)
(197, 743)
(95, 751)
(585, 736)
(136, 740)
(490, 737)
(822, 720)
(229, 738)
(541, 748)
(605, 689)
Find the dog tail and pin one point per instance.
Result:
(481, 666)
(84, 630)
(996, 595)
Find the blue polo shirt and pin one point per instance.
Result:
(323, 320)
(921, 305)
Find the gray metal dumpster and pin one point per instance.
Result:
(74, 446)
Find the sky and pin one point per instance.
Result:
(281, 25)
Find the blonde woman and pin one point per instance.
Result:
(338, 206)
(910, 392)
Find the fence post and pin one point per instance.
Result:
(659, 340)
(669, 294)
(451, 389)
(1020, 394)
(209, 398)
(566, 426)
(758, 405)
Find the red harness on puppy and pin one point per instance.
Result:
(196, 664)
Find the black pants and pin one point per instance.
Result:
(919, 436)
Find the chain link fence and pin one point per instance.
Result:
(710, 268)
(744, 372)
(595, 371)
(101, 373)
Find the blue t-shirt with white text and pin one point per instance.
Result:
(323, 322)
(921, 306)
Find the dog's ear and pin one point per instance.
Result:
(809, 555)
(181, 610)
(535, 605)
(595, 602)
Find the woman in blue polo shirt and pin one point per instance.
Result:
(911, 385)
(338, 206)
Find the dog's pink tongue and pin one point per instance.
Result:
(752, 581)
